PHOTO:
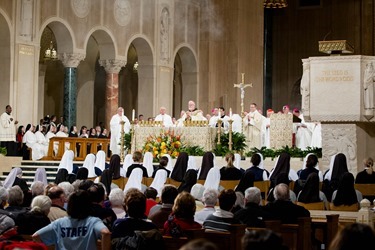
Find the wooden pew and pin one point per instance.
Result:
(264, 186)
(312, 206)
(366, 189)
(120, 182)
(297, 236)
(173, 182)
(354, 207)
(325, 231)
(229, 184)
(227, 240)
(176, 243)
(73, 142)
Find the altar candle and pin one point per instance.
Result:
(219, 113)
(230, 113)
(133, 115)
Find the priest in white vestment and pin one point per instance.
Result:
(115, 125)
(253, 127)
(7, 126)
(266, 127)
(164, 118)
(303, 131)
(316, 137)
(215, 116)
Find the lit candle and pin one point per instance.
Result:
(230, 113)
(219, 113)
(133, 115)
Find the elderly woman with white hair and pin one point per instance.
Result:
(29, 222)
(37, 188)
(4, 195)
(116, 198)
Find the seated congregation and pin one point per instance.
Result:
(137, 203)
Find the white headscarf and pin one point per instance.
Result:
(89, 163)
(147, 163)
(261, 164)
(237, 160)
(329, 173)
(192, 164)
(159, 181)
(127, 162)
(135, 180)
(169, 165)
(15, 172)
(100, 160)
(41, 175)
(67, 161)
(213, 179)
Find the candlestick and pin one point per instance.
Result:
(133, 115)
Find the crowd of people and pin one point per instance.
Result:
(254, 125)
(85, 202)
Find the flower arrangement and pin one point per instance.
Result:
(164, 143)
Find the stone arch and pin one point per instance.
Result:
(185, 79)
(63, 33)
(91, 83)
(51, 73)
(5, 60)
(144, 101)
(105, 41)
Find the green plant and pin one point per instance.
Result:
(127, 141)
(193, 150)
(293, 152)
(238, 144)
(3, 151)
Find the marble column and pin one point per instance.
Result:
(112, 68)
(70, 62)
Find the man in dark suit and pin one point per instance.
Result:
(253, 215)
(283, 209)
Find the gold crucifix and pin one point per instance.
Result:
(242, 87)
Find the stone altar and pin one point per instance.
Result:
(336, 94)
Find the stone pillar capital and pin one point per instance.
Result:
(112, 66)
(71, 60)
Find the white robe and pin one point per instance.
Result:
(7, 128)
(303, 134)
(41, 139)
(267, 137)
(316, 138)
(253, 129)
(166, 119)
(38, 150)
(116, 132)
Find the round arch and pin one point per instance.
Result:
(63, 33)
(138, 81)
(185, 78)
(105, 40)
(5, 60)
